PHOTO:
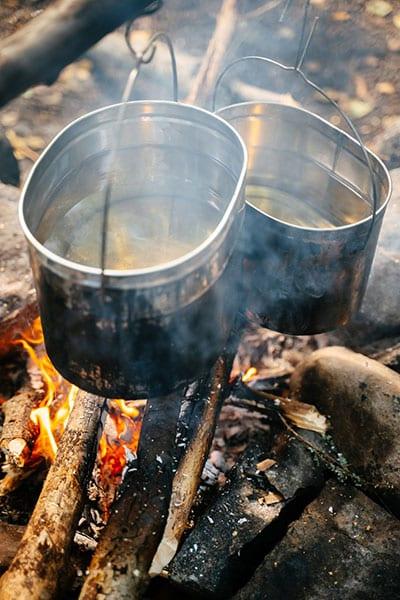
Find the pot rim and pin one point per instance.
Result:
(169, 268)
(312, 115)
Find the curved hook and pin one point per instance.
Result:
(147, 55)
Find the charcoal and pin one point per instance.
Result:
(344, 547)
(216, 555)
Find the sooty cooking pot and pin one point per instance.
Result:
(145, 330)
(306, 277)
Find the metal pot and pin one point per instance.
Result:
(145, 330)
(306, 277)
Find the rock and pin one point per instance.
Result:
(216, 554)
(386, 351)
(380, 312)
(17, 294)
(343, 547)
(361, 398)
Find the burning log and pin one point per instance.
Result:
(18, 432)
(119, 568)
(38, 51)
(45, 547)
(188, 474)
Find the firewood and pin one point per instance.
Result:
(119, 568)
(45, 548)
(189, 471)
(38, 51)
(214, 558)
(18, 432)
(342, 546)
(208, 72)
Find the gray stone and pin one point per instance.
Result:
(361, 398)
(380, 312)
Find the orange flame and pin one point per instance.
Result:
(249, 374)
(117, 442)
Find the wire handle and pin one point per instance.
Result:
(143, 58)
(298, 71)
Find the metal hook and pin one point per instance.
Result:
(147, 55)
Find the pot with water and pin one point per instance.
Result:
(160, 312)
(309, 236)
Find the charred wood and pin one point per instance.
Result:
(342, 546)
(38, 51)
(248, 516)
(120, 565)
(43, 554)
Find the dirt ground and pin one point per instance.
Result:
(354, 55)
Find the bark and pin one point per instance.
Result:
(43, 555)
(187, 478)
(38, 51)
(210, 67)
(119, 568)
(18, 432)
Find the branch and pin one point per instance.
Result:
(44, 552)
(37, 52)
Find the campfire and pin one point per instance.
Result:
(248, 463)
(32, 436)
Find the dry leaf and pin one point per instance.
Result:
(396, 20)
(270, 498)
(379, 8)
(385, 87)
(359, 108)
(361, 87)
(340, 15)
(266, 464)
(304, 416)
(256, 94)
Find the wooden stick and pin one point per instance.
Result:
(18, 432)
(119, 568)
(42, 557)
(210, 67)
(188, 474)
(38, 51)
